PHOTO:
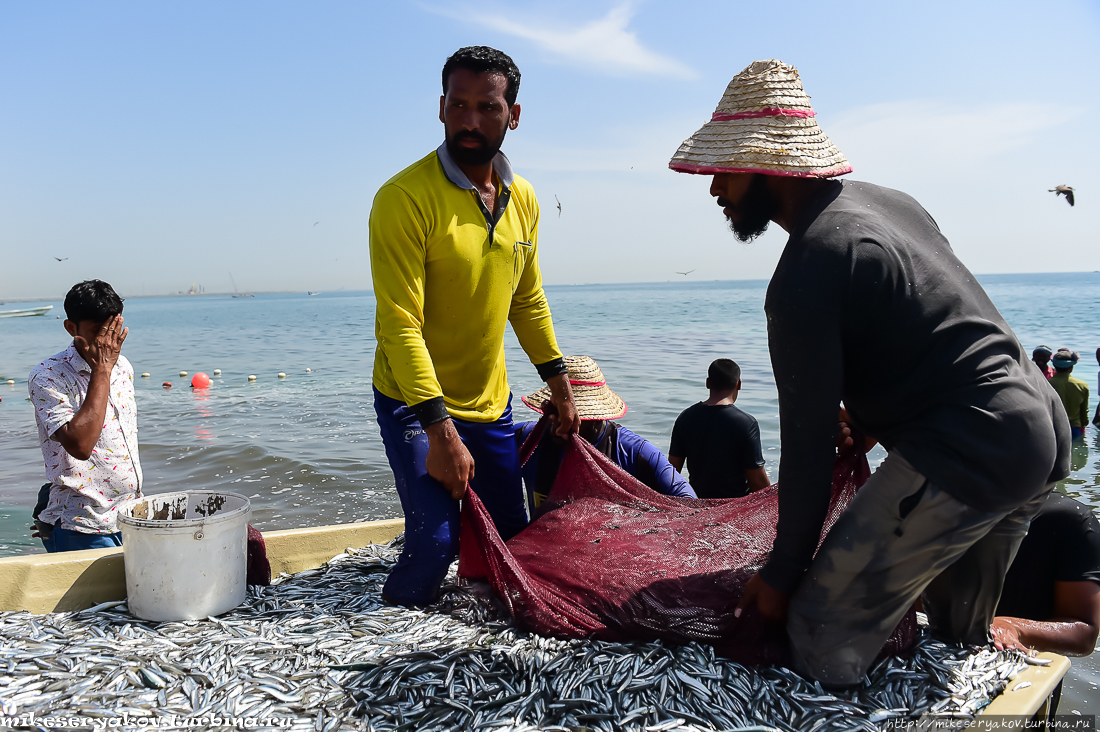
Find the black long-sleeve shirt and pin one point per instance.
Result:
(869, 305)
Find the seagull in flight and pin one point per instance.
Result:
(59, 259)
(559, 205)
(316, 222)
(1063, 190)
(686, 273)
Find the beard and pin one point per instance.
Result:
(754, 211)
(483, 153)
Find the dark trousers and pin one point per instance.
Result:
(431, 515)
(899, 538)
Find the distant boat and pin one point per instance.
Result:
(311, 292)
(25, 313)
(236, 292)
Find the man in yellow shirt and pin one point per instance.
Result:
(1073, 391)
(454, 258)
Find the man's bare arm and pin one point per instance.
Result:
(757, 479)
(1073, 630)
(561, 395)
(80, 434)
(448, 460)
(676, 462)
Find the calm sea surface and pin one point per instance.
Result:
(306, 448)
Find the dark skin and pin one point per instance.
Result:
(99, 344)
(1041, 359)
(1072, 631)
(476, 102)
(757, 477)
(792, 195)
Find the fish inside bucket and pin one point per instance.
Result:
(185, 554)
(188, 506)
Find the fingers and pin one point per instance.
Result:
(746, 599)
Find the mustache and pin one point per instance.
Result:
(471, 135)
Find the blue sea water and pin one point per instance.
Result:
(306, 448)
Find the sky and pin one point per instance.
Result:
(158, 145)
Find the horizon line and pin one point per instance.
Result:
(571, 284)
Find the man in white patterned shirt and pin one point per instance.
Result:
(84, 405)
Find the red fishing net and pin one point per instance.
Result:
(610, 558)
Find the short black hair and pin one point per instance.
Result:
(723, 374)
(93, 300)
(481, 60)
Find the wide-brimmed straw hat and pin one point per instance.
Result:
(592, 395)
(764, 124)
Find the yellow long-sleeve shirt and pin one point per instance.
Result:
(447, 279)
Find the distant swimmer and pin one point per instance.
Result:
(1063, 190)
(685, 274)
(559, 204)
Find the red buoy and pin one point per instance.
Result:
(167, 385)
(200, 381)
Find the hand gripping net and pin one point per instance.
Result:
(610, 558)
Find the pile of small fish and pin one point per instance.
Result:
(320, 650)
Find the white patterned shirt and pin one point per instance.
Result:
(86, 494)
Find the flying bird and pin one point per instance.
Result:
(1063, 190)
(59, 259)
(559, 204)
(686, 273)
(316, 222)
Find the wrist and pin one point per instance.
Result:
(444, 431)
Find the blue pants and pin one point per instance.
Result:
(431, 515)
(66, 540)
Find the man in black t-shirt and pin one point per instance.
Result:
(720, 443)
(1051, 595)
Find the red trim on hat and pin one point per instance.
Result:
(711, 170)
(587, 383)
(766, 112)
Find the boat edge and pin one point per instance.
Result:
(68, 581)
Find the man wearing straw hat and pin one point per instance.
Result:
(869, 305)
(597, 405)
(454, 259)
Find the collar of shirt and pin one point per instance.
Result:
(501, 166)
(76, 360)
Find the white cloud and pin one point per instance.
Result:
(606, 44)
(911, 136)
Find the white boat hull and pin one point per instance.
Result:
(25, 313)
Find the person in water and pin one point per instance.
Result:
(870, 306)
(454, 260)
(720, 443)
(1073, 392)
(1096, 417)
(1041, 357)
(597, 405)
(83, 399)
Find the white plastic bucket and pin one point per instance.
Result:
(186, 554)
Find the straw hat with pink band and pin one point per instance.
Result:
(764, 124)
(591, 394)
